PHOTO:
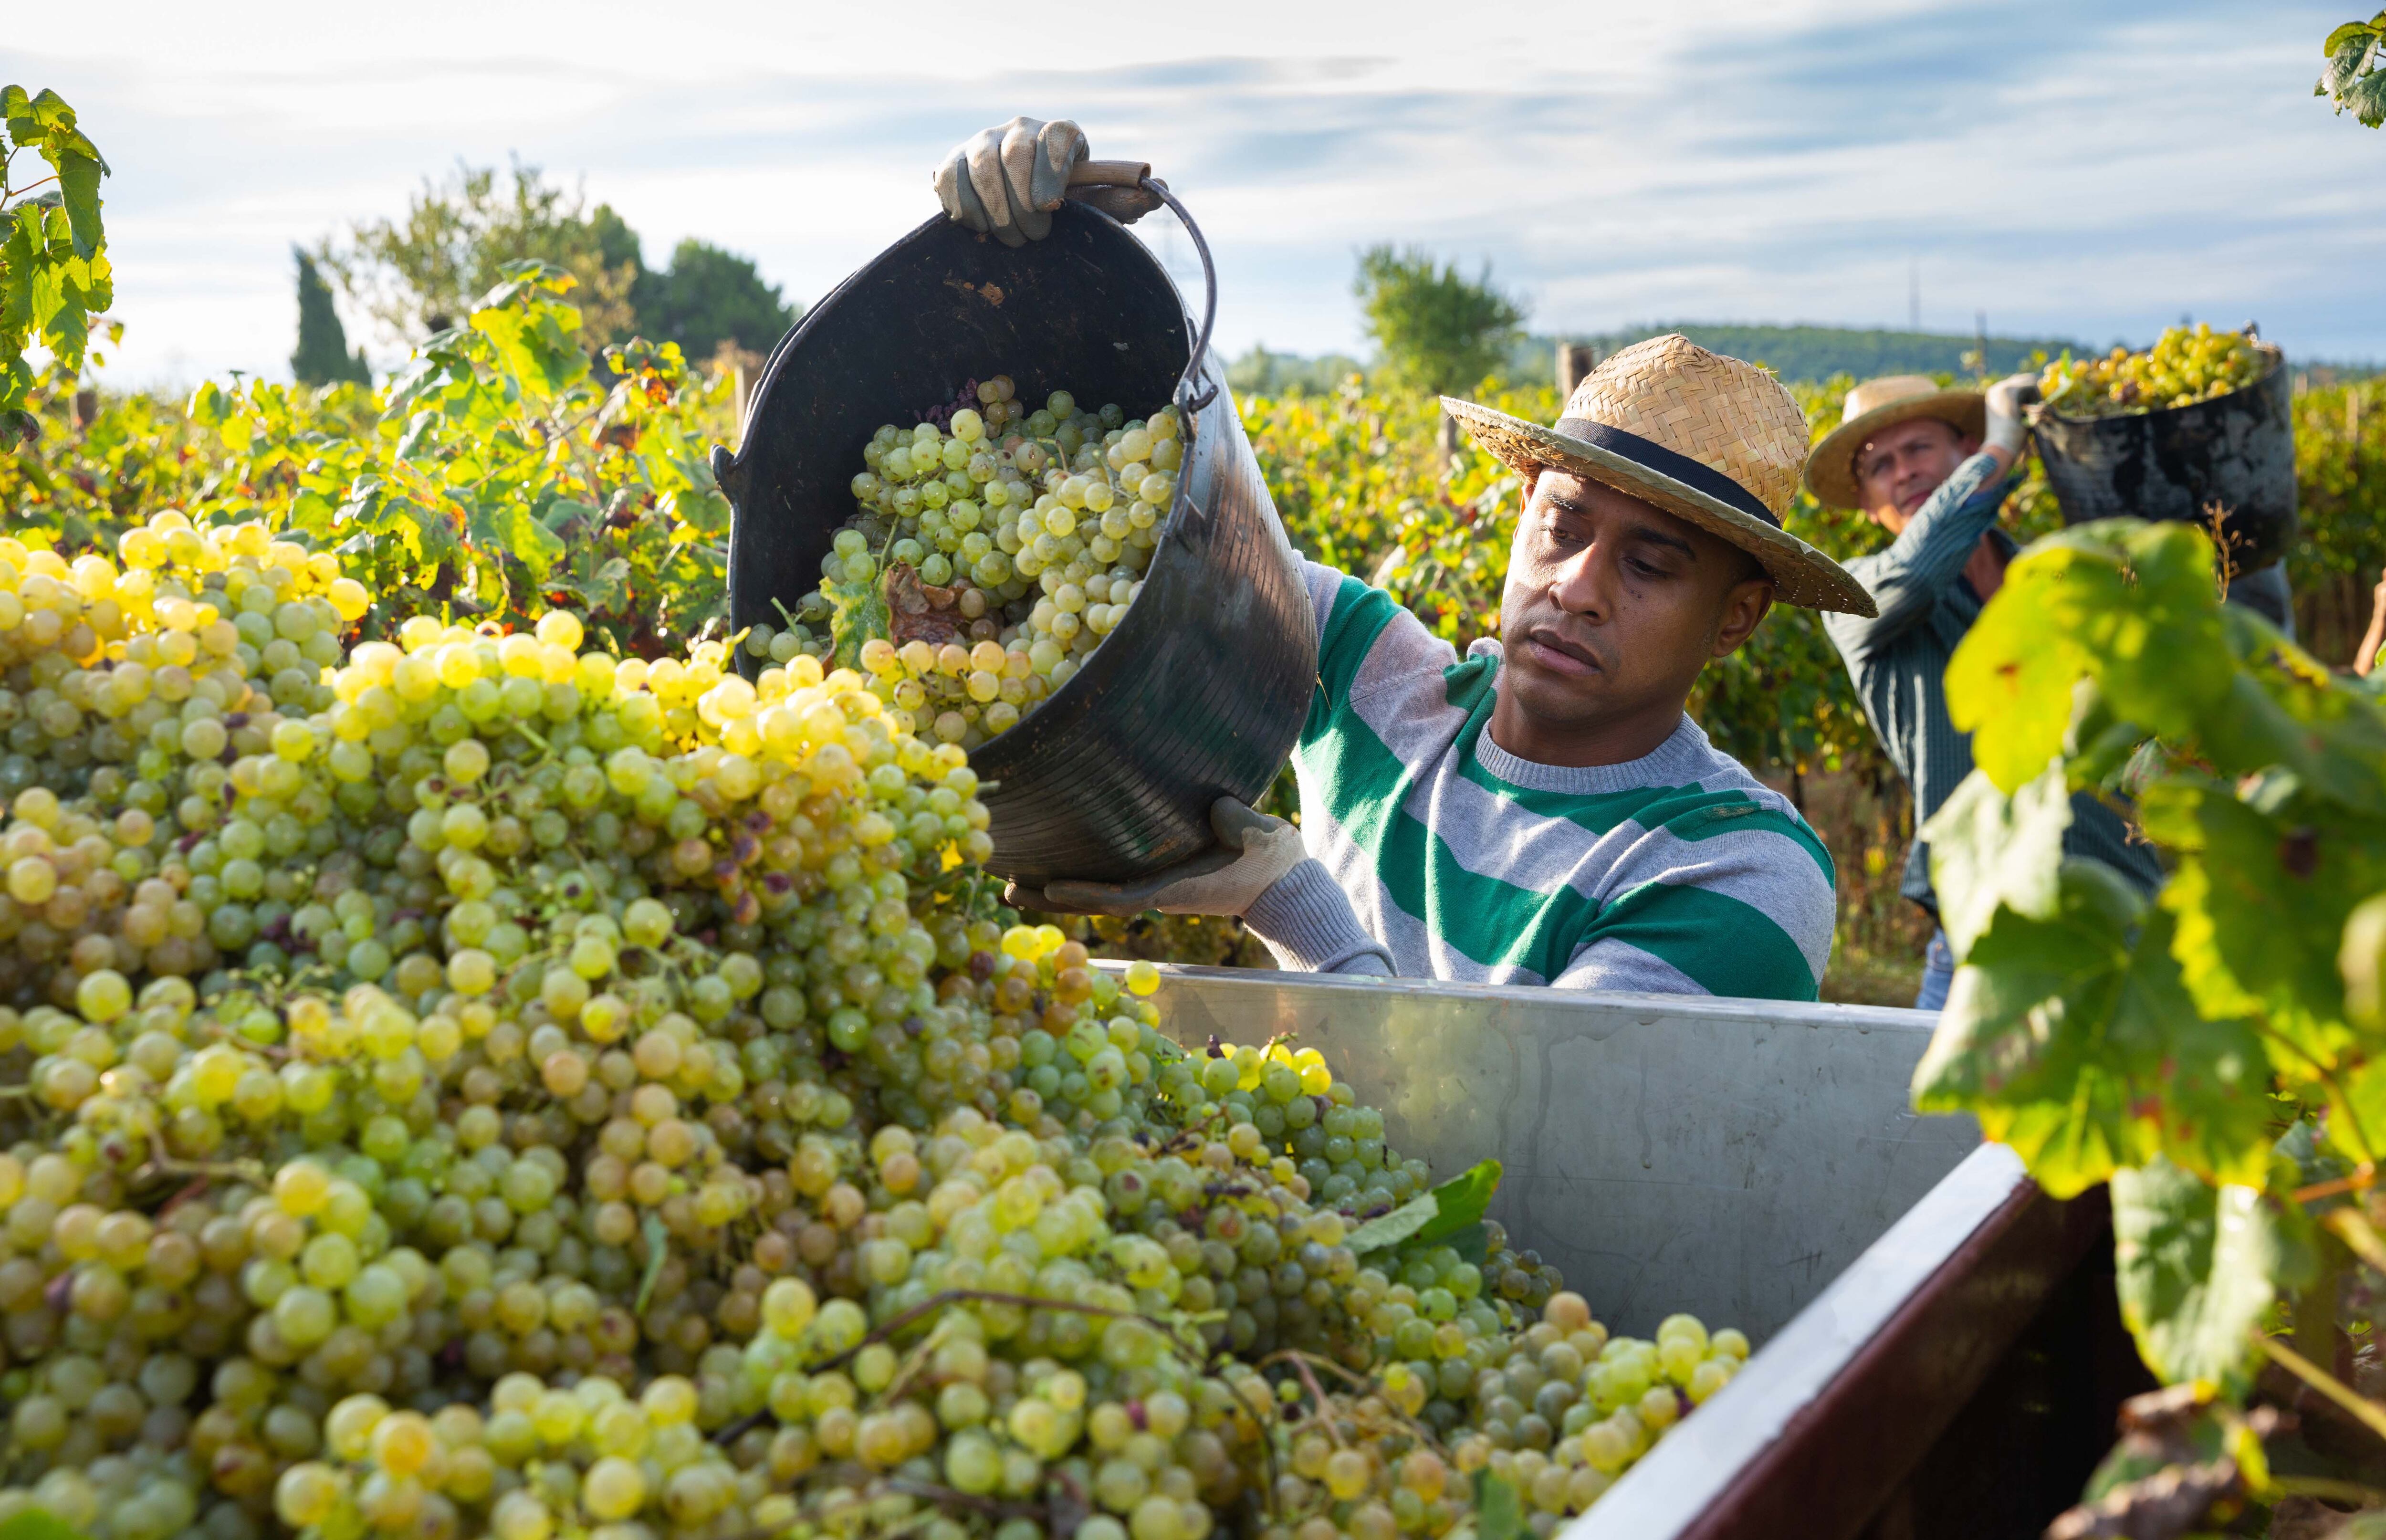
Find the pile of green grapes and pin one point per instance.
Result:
(2182, 368)
(993, 550)
(464, 1085)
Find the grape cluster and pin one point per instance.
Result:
(993, 550)
(2182, 368)
(480, 1086)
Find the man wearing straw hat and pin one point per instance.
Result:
(1540, 811)
(1931, 466)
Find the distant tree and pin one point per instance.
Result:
(2352, 76)
(710, 296)
(420, 274)
(322, 357)
(1438, 329)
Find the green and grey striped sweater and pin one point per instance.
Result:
(1677, 873)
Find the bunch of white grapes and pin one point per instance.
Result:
(468, 1084)
(2184, 366)
(1002, 549)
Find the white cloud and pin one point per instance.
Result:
(2083, 170)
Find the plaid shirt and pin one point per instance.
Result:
(1899, 663)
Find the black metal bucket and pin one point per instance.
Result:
(1201, 691)
(2235, 452)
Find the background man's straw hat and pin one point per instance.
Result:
(1709, 439)
(1876, 404)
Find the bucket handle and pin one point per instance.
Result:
(1137, 174)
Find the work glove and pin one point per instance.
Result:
(1006, 181)
(2006, 427)
(1254, 852)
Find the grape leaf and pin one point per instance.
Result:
(2162, 656)
(1987, 849)
(537, 345)
(2356, 1120)
(2366, 97)
(79, 177)
(1440, 1214)
(1388, 1229)
(1463, 1200)
(2346, 35)
(2199, 1266)
(2126, 604)
(1499, 1509)
(2262, 902)
(857, 613)
(2075, 1043)
(508, 529)
(2009, 683)
(2018, 1043)
(2284, 709)
(36, 1523)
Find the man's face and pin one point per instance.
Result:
(1612, 606)
(1900, 466)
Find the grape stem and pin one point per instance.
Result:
(250, 1172)
(1301, 1361)
(1316, 1395)
(2362, 1176)
(2352, 1226)
(941, 1494)
(912, 1363)
(2364, 1411)
(2327, 1489)
(657, 1252)
(934, 1302)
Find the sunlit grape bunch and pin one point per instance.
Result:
(992, 552)
(2182, 368)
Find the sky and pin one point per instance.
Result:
(2089, 170)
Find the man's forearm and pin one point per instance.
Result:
(1928, 554)
(1307, 921)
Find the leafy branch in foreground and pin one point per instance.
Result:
(54, 271)
(2351, 78)
(2217, 1056)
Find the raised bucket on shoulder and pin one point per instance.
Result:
(2235, 453)
(1202, 689)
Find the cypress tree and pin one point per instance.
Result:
(322, 357)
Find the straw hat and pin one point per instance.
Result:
(1708, 438)
(1876, 404)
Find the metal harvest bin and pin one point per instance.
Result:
(1937, 1350)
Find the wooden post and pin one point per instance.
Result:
(743, 388)
(1574, 360)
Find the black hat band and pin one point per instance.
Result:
(1651, 456)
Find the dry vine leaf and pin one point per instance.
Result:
(920, 611)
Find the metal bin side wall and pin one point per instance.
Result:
(1726, 1157)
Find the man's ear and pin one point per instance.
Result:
(1743, 608)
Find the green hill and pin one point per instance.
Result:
(1818, 352)
(1792, 352)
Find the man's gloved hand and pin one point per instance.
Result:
(1254, 852)
(2006, 428)
(1006, 181)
